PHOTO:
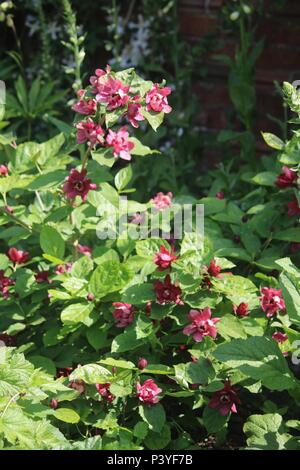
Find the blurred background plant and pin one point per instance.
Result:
(46, 45)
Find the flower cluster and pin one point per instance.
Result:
(201, 324)
(103, 390)
(123, 314)
(271, 301)
(108, 94)
(164, 258)
(148, 393)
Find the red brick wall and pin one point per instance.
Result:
(279, 61)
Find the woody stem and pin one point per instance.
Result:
(85, 158)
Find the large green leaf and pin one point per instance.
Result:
(154, 416)
(76, 313)
(259, 358)
(133, 336)
(52, 242)
(264, 432)
(91, 374)
(109, 276)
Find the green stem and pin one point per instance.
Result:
(9, 403)
(16, 219)
(85, 158)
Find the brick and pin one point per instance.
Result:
(201, 4)
(195, 24)
(277, 31)
(275, 56)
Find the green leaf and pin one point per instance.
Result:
(52, 242)
(259, 358)
(119, 363)
(67, 415)
(50, 148)
(291, 295)
(123, 177)
(133, 337)
(273, 141)
(288, 235)
(4, 262)
(264, 432)
(76, 313)
(265, 178)
(154, 119)
(200, 372)
(15, 372)
(212, 420)
(48, 180)
(96, 337)
(109, 276)
(231, 327)
(158, 440)
(44, 363)
(91, 374)
(104, 156)
(82, 267)
(153, 415)
(138, 294)
(140, 430)
(148, 248)
(212, 205)
(140, 149)
(235, 288)
(111, 117)
(120, 390)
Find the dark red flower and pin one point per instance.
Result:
(123, 314)
(3, 170)
(225, 400)
(103, 390)
(293, 207)
(5, 282)
(63, 268)
(294, 247)
(164, 258)
(201, 324)
(286, 178)
(76, 184)
(271, 301)
(9, 209)
(8, 340)
(78, 385)
(148, 393)
(84, 249)
(241, 310)
(220, 195)
(148, 307)
(142, 363)
(63, 371)
(134, 114)
(213, 269)
(90, 297)
(42, 276)
(18, 256)
(53, 404)
(166, 292)
(280, 337)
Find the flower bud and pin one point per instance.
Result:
(142, 363)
